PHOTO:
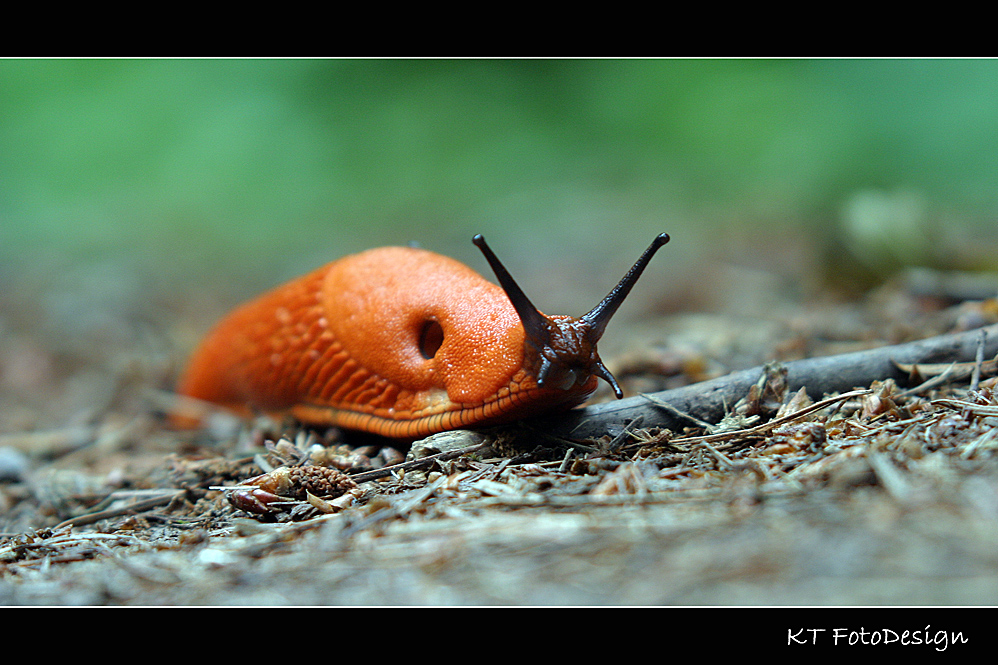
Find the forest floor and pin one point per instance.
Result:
(887, 496)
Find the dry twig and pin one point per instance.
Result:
(707, 401)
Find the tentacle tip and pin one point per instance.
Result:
(601, 371)
(479, 239)
(661, 239)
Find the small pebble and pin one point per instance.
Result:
(13, 465)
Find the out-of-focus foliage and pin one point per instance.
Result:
(293, 162)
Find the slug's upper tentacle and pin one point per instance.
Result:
(561, 349)
(601, 314)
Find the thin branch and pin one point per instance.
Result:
(772, 424)
(707, 401)
(976, 376)
(159, 497)
(386, 471)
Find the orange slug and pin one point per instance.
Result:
(403, 343)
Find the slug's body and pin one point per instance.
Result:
(403, 343)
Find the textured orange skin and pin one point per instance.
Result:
(340, 346)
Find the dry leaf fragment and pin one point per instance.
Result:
(284, 486)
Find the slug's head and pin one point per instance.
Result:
(560, 351)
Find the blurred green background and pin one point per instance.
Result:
(251, 171)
